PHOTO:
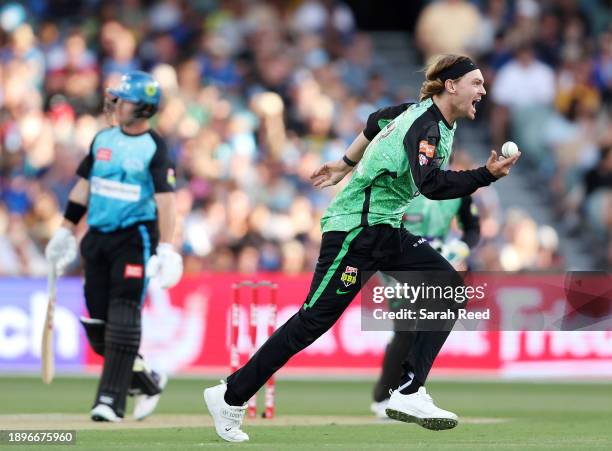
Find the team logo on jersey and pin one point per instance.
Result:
(133, 271)
(428, 149)
(104, 154)
(349, 277)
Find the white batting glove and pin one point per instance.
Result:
(61, 249)
(455, 251)
(166, 265)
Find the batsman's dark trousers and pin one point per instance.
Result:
(115, 286)
(345, 255)
(114, 265)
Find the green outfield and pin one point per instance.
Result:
(318, 415)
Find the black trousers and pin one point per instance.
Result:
(345, 260)
(115, 264)
(115, 285)
(395, 352)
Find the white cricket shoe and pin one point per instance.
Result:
(378, 409)
(419, 408)
(102, 412)
(228, 419)
(144, 405)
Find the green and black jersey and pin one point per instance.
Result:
(410, 145)
(432, 219)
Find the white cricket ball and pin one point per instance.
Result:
(509, 149)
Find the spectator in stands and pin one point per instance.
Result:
(447, 26)
(260, 92)
(602, 70)
(120, 46)
(523, 82)
(76, 74)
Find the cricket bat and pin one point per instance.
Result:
(47, 356)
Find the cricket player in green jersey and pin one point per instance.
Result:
(432, 219)
(362, 234)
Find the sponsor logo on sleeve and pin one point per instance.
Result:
(428, 149)
(171, 177)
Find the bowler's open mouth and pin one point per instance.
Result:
(474, 102)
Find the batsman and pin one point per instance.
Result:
(126, 188)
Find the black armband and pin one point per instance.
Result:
(348, 161)
(74, 212)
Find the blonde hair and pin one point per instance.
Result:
(433, 84)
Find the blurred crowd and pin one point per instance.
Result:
(257, 94)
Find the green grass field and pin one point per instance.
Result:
(317, 415)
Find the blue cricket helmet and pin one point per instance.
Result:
(140, 88)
